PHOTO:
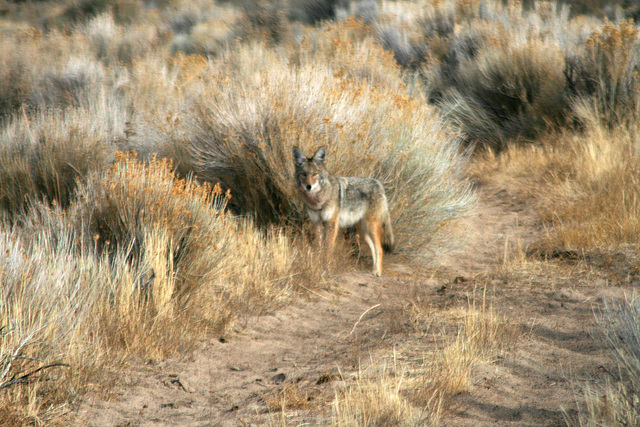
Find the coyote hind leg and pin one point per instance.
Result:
(372, 233)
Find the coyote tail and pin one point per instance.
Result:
(388, 243)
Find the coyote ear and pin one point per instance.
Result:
(318, 158)
(298, 157)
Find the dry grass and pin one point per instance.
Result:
(416, 387)
(483, 335)
(616, 403)
(375, 400)
(586, 186)
(43, 157)
(603, 75)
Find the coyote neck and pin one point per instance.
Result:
(319, 200)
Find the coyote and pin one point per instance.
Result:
(335, 202)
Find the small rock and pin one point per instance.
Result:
(279, 378)
(569, 295)
(181, 384)
(325, 378)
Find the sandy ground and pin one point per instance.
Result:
(302, 351)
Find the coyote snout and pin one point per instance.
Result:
(338, 202)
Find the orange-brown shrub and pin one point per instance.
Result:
(605, 74)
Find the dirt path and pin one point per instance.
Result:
(297, 352)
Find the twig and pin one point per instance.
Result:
(361, 316)
(314, 292)
(25, 377)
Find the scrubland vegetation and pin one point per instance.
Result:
(146, 199)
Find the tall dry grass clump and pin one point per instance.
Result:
(603, 75)
(483, 335)
(508, 92)
(585, 185)
(415, 389)
(376, 399)
(45, 155)
(46, 346)
(616, 404)
(592, 200)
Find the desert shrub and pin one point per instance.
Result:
(124, 11)
(45, 305)
(499, 76)
(265, 20)
(141, 265)
(210, 255)
(167, 237)
(348, 47)
(617, 404)
(75, 85)
(406, 53)
(604, 8)
(43, 157)
(365, 11)
(184, 22)
(210, 37)
(313, 11)
(508, 92)
(605, 74)
(134, 198)
(115, 45)
(414, 44)
(16, 74)
(56, 70)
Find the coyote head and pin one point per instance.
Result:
(309, 171)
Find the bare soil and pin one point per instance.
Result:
(300, 354)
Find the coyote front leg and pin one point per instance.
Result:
(331, 230)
